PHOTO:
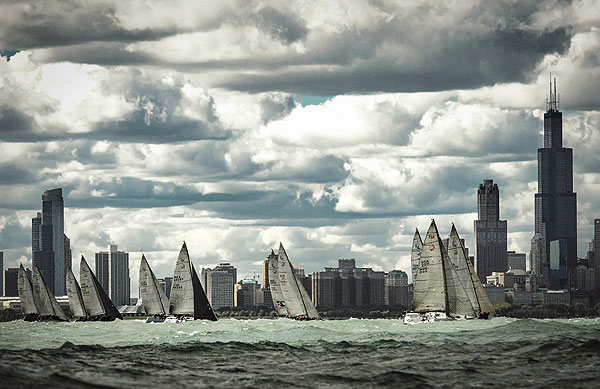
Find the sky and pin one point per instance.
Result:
(335, 127)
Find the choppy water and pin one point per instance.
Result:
(280, 353)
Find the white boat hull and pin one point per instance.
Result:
(425, 317)
(174, 319)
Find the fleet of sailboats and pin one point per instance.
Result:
(446, 286)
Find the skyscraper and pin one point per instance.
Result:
(112, 271)
(555, 201)
(490, 232)
(48, 241)
(597, 256)
(102, 272)
(218, 283)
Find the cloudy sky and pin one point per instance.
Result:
(336, 128)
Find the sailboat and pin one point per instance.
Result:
(415, 254)
(29, 305)
(154, 298)
(96, 302)
(188, 300)
(48, 307)
(298, 304)
(277, 296)
(75, 298)
(438, 291)
(468, 277)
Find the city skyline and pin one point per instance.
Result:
(326, 131)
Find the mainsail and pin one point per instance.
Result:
(29, 305)
(466, 272)
(75, 298)
(429, 285)
(415, 255)
(48, 307)
(153, 297)
(297, 301)
(187, 296)
(276, 295)
(459, 304)
(97, 304)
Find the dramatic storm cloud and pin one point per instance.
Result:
(333, 127)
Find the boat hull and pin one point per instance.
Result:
(425, 317)
(175, 319)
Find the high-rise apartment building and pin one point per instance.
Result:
(48, 241)
(490, 232)
(218, 283)
(245, 293)
(555, 201)
(11, 281)
(347, 286)
(113, 267)
(396, 289)
(102, 270)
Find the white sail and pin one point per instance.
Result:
(48, 306)
(75, 298)
(28, 301)
(277, 296)
(415, 255)
(91, 297)
(39, 291)
(458, 303)
(429, 285)
(288, 285)
(297, 301)
(311, 311)
(459, 260)
(97, 304)
(485, 305)
(153, 297)
(182, 289)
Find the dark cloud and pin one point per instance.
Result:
(14, 125)
(61, 23)
(128, 192)
(286, 27)
(11, 173)
(465, 63)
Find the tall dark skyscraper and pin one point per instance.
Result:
(596, 247)
(555, 202)
(490, 232)
(48, 241)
